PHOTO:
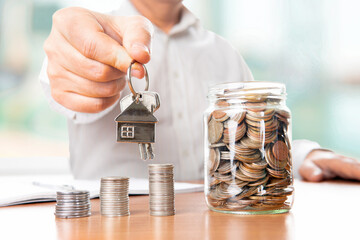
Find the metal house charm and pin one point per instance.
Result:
(136, 124)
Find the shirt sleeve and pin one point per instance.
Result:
(76, 117)
(300, 149)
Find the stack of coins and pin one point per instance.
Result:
(72, 204)
(249, 157)
(114, 196)
(161, 189)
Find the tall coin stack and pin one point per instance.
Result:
(161, 189)
(72, 204)
(114, 196)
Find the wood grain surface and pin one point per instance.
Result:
(326, 210)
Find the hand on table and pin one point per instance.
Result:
(89, 54)
(321, 165)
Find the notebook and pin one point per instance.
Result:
(31, 189)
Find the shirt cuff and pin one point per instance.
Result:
(76, 117)
(300, 149)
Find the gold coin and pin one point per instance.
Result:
(238, 117)
(215, 131)
(272, 161)
(262, 164)
(219, 115)
(214, 202)
(234, 134)
(249, 143)
(277, 173)
(280, 151)
(222, 104)
(278, 182)
(214, 159)
(223, 177)
(255, 107)
(226, 167)
(259, 182)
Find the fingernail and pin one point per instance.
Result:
(139, 47)
(136, 73)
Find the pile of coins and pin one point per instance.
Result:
(161, 189)
(114, 196)
(72, 204)
(249, 159)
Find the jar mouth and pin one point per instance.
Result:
(246, 89)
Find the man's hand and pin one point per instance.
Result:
(89, 54)
(321, 165)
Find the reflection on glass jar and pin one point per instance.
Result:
(248, 164)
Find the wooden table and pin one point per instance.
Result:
(327, 210)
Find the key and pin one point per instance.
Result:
(150, 100)
(136, 123)
(146, 151)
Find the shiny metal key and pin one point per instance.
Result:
(136, 123)
(150, 100)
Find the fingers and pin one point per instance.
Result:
(62, 92)
(321, 165)
(89, 54)
(136, 32)
(310, 172)
(83, 104)
(68, 82)
(62, 52)
(87, 35)
(342, 166)
(90, 33)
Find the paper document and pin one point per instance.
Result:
(30, 189)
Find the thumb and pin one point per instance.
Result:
(136, 33)
(310, 172)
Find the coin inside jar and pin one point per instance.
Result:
(215, 131)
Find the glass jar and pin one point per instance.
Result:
(248, 163)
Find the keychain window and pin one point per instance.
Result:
(127, 131)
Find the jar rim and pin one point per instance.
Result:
(243, 89)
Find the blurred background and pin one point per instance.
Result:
(311, 46)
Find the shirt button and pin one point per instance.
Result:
(176, 74)
(179, 115)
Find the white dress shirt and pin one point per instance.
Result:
(184, 63)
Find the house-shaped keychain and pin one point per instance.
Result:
(136, 124)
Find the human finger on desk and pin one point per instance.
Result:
(321, 165)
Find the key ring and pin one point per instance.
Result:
(136, 95)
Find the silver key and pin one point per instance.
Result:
(150, 100)
(136, 123)
(146, 151)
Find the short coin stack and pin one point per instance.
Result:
(72, 204)
(114, 196)
(161, 189)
